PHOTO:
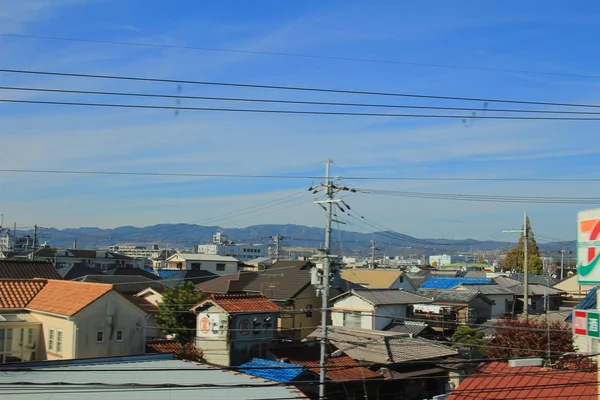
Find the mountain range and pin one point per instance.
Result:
(185, 236)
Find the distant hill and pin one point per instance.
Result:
(297, 236)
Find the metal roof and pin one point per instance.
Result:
(127, 371)
(272, 370)
(408, 327)
(587, 303)
(450, 296)
(442, 282)
(379, 297)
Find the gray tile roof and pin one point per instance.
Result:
(379, 297)
(536, 290)
(450, 296)
(408, 327)
(230, 283)
(506, 282)
(487, 289)
(378, 347)
(129, 371)
(282, 281)
(13, 269)
(129, 284)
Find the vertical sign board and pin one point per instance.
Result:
(593, 327)
(588, 247)
(580, 322)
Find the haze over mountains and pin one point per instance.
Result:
(344, 242)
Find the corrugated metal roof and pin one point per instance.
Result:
(379, 297)
(439, 282)
(272, 370)
(410, 328)
(499, 381)
(450, 296)
(141, 370)
(589, 302)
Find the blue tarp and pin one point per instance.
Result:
(449, 283)
(272, 370)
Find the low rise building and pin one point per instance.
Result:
(222, 246)
(220, 265)
(232, 329)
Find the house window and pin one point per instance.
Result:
(51, 340)
(196, 266)
(99, 337)
(30, 336)
(119, 336)
(22, 337)
(309, 309)
(59, 340)
(401, 278)
(352, 319)
(220, 267)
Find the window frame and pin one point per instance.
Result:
(101, 333)
(220, 267)
(59, 341)
(51, 339)
(120, 331)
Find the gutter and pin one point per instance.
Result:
(68, 318)
(76, 334)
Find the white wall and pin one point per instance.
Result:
(356, 304)
(500, 300)
(403, 283)
(385, 315)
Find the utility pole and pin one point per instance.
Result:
(562, 262)
(525, 233)
(35, 231)
(277, 240)
(325, 279)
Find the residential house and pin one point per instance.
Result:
(125, 284)
(148, 300)
(175, 277)
(409, 365)
(345, 378)
(148, 377)
(572, 291)
(23, 269)
(228, 284)
(288, 283)
(232, 329)
(540, 298)
(73, 319)
(220, 265)
(503, 299)
(373, 309)
(98, 259)
(75, 271)
(452, 307)
(496, 380)
(378, 279)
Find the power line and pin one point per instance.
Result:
(212, 175)
(299, 102)
(296, 88)
(297, 112)
(298, 55)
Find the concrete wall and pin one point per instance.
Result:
(299, 325)
(97, 317)
(212, 332)
(205, 265)
(386, 314)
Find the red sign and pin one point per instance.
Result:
(580, 324)
(205, 325)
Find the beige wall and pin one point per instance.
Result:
(57, 323)
(299, 324)
(152, 297)
(573, 288)
(109, 314)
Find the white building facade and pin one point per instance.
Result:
(222, 246)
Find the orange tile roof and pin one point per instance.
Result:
(17, 293)
(67, 297)
(163, 346)
(500, 381)
(239, 303)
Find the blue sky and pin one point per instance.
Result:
(557, 38)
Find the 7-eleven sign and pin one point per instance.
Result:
(580, 322)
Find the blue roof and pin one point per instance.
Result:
(280, 371)
(587, 303)
(167, 273)
(449, 283)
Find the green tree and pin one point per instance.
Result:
(480, 260)
(515, 256)
(174, 316)
(470, 338)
